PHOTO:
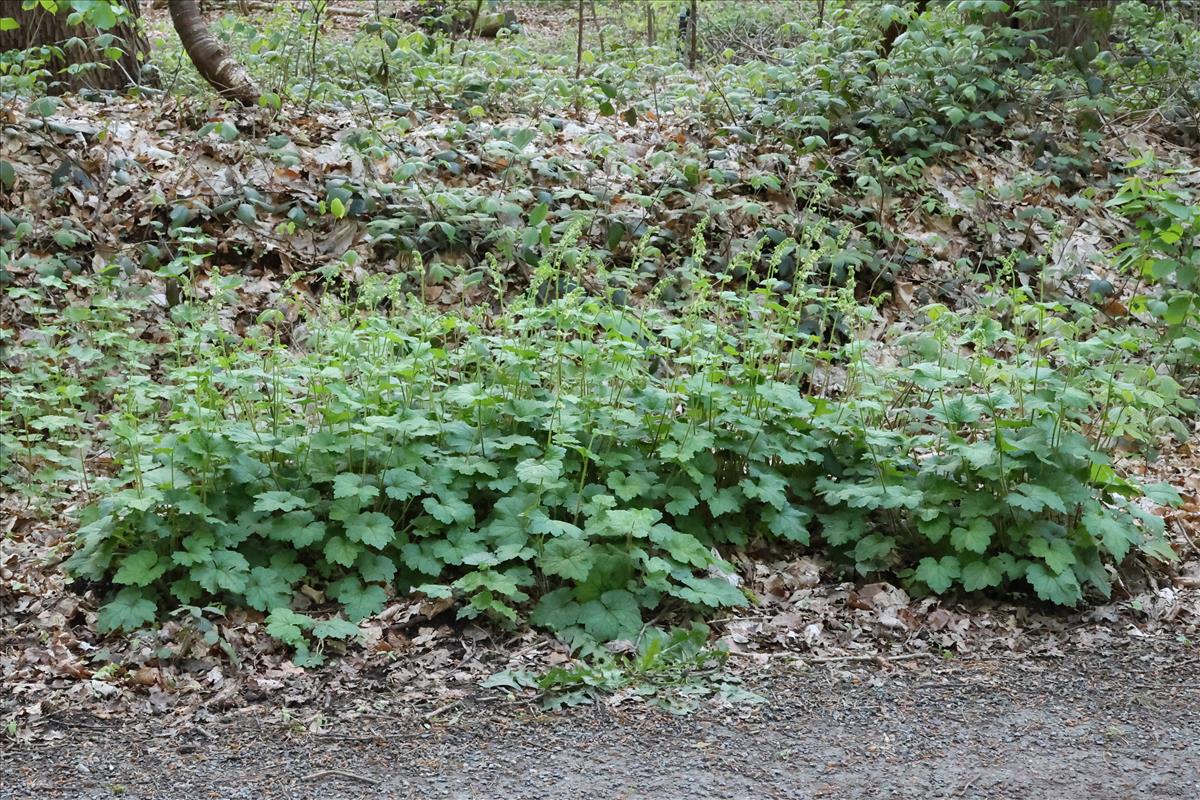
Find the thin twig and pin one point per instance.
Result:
(340, 773)
(441, 710)
(874, 657)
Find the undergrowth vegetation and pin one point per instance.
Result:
(564, 380)
(592, 462)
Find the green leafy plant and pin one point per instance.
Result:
(587, 463)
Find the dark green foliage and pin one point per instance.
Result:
(541, 465)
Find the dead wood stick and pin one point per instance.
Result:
(340, 773)
(437, 712)
(875, 657)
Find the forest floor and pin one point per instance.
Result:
(864, 691)
(1117, 722)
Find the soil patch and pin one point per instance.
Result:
(1114, 724)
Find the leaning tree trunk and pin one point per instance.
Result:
(38, 28)
(221, 70)
(1063, 24)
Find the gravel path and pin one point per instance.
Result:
(1122, 724)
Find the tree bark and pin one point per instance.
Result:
(896, 28)
(1064, 24)
(693, 26)
(40, 28)
(222, 71)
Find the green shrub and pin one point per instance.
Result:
(592, 462)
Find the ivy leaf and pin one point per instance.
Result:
(557, 610)
(346, 485)
(225, 569)
(872, 550)
(974, 538)
(336, 628)
(725, 501)
(372, 529)
(789, 523)
(981, 574)
(1062, 588)
(1115, 537)
(267, 589)
(448, 510)
(841, 528)
(305, 535)
(186, 591)
(567, 557)
(279, 501)
(402, 484)
(683, 547)
(420, 558)
(360, 601)
(635, 523)
(545, 526)
(627, 487)
(537, 472)
(613, 615)
(484, 601)
(340, 551)
(682, 501)
(1056, 553)
(129, 610)
(1163, 494)
(285, 564)
(288, 627)
(305, 657)
(712, 592)
(140, 569)
(375, 567)
(934, 529)
(349, 484)
(297, 528)
(938, 574)
(1032, 497)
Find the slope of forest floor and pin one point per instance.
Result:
(829, 689)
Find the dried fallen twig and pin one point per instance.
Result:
(440, 710)
(872, 657)
(352, 776)
(340, 773)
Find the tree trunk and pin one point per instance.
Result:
(1067, 23)
(693, 26)
(41, 29)
(896, 28)
(1076, 24)
(221, 70)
